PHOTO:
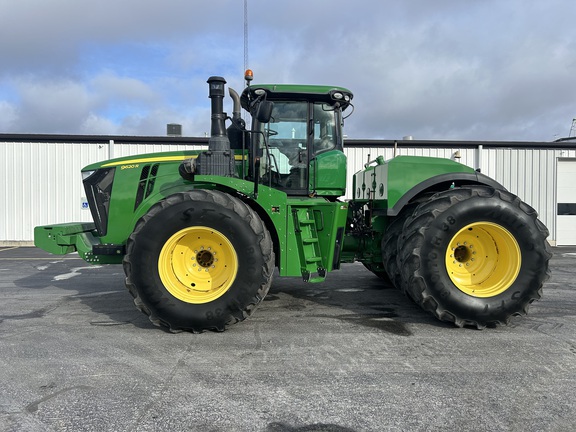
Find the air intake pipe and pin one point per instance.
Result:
(218, 128)
(218, 160)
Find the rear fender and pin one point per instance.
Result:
(440, 183)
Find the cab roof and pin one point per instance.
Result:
(320, 93)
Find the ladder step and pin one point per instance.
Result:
(313, 259)
(316, 279)
(309, 249)
(310, 240)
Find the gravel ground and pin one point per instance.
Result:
(347, 355)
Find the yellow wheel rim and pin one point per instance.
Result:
(198, 265)
(483, 259)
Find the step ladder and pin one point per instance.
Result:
(306, 231)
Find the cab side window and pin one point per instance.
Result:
(324, 128)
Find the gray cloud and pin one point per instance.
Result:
(445, 69)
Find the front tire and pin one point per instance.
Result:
(199, 260)
(474, 256)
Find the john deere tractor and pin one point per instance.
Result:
(200, 233)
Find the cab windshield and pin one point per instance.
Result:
(292, 142)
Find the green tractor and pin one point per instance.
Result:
(200, 233)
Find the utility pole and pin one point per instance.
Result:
(245, 45)
(245, 35)
(573, 129)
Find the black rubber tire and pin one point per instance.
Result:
(231, 217)
(390, 245)
(382, 274)
(425, 241)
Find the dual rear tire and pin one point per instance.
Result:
(473, 256)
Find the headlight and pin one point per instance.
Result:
(87, 174)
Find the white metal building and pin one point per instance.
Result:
(40, 181)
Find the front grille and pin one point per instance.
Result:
(98, 189)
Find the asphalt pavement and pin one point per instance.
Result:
(350, 354)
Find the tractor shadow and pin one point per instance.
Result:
(352, 295)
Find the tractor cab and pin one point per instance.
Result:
(296, 142)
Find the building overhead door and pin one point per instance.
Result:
(566, 199)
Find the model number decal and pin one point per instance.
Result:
(123, 167)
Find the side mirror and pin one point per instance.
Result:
(264, 112)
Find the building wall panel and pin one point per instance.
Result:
(41, 183)
(566, 198)
(120, 150)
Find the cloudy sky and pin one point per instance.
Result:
(434, 69)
